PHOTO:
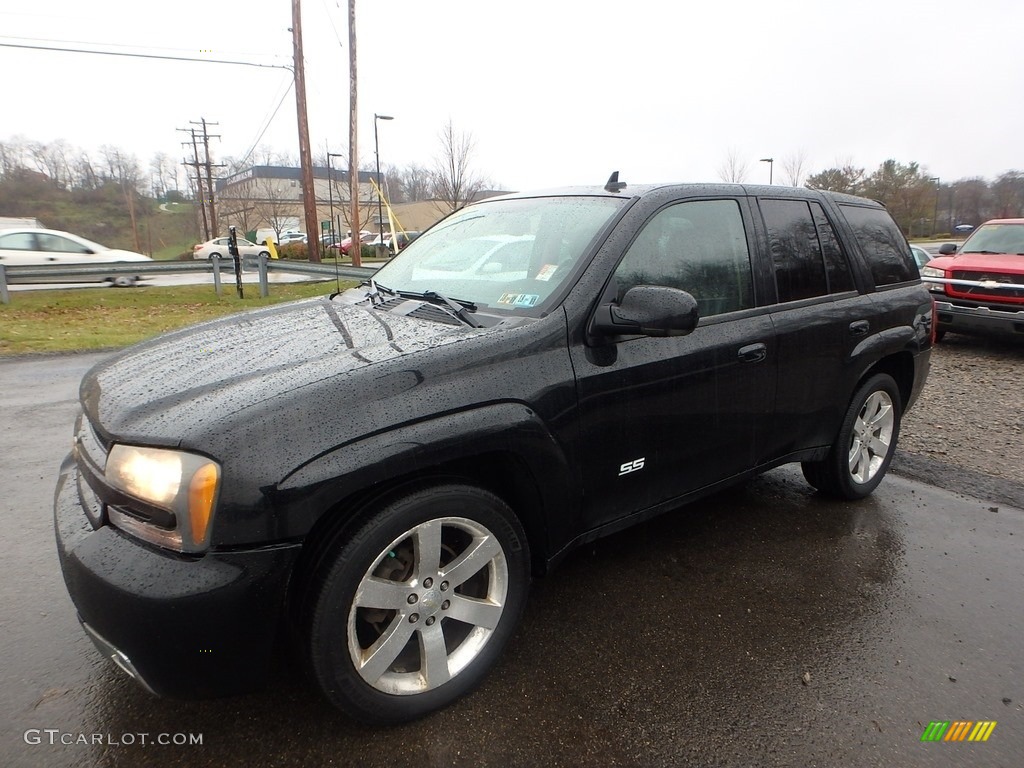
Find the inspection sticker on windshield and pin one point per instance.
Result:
(519, 299)
(547, 271)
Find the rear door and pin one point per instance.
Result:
(819, 318)
(660, 417)
(21, 248)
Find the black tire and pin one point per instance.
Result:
(212, 255)
(377, 590)
(864, 447)
(124, 281)
(265, 254)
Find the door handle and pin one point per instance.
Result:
(753, 353)
(860, 328)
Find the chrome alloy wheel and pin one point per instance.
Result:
(427, 606)
(872, 436)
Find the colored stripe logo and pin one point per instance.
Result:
(958, 730)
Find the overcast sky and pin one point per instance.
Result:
(553, 91)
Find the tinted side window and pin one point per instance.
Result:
(699, 247)
(883, 244)
(793, 241)
(837, 266)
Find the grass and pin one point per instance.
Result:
(102, 318)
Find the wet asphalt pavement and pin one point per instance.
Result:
(762, 627)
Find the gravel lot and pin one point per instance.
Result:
(970, 416)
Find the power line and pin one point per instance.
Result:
(266, 124)
(145, 56)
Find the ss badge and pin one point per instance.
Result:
(631, 466)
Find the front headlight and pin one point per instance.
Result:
(178, 492)
(932, 272)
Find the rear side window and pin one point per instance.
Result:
(837, 267)
(796, 253)
(883, 244)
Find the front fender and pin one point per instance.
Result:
(376, 461)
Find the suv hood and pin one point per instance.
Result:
(168, 390)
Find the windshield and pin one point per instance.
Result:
(505, 254)
(996, 238)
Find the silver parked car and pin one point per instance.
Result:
(39, 247)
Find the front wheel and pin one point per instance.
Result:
(123, 281)
(864, 447)
(415, 608)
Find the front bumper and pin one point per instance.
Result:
(968, 319)
(182, 626)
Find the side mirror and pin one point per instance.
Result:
(648, 310)
(947, 249)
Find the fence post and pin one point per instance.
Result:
(216, 274)
(5, 297)
(264, 288)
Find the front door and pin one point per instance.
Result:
(661, 417)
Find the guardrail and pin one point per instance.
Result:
(67, 273)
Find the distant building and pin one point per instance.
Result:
(270, 196)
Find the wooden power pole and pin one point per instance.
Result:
(353, 153)
(305, 154)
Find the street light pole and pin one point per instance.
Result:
(771, 168)
(935, 218)
(330, 197)
(376, 153)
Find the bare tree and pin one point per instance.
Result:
(454, 181)
(51, 160)
(84, 173)
(124, 170)
(240, 207)
(13, 156)
(409, 184)
(733, 169)
(163, 174)
(794, 167)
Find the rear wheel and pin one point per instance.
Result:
(415, 608)
(123, 281)
(863, 450)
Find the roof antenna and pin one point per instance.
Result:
(614, 185)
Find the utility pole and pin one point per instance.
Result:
(198, 179)
(305, 154)
(209, 175)
(353, 154)
(203, 176)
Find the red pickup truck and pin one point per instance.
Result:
(979, 287)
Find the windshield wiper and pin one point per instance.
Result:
(460, 308)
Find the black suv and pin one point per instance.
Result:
(369, 480)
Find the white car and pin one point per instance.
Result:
(921, 256)
(219, 247)
(39, 247)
